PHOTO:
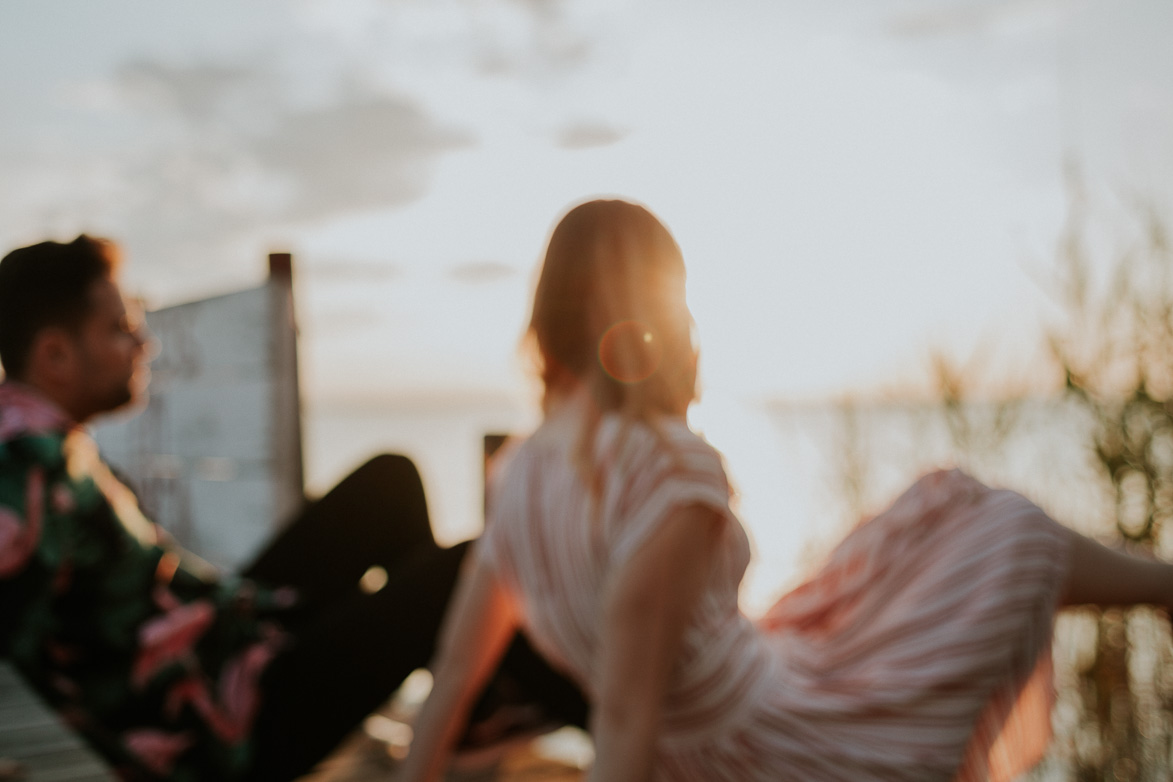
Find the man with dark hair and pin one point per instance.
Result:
(47, 293)
(168, 670)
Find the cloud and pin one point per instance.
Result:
(345, 271)
(530, 38)
(482, 272)
(247, 128)
(996, 17)
(196, 93)
(341, 321)
(371, 150)
(195, 166)
(588, 134)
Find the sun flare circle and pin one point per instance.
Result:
(629, 352)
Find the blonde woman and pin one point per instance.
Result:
(918, 652)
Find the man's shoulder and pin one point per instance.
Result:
(31, 427)
(22, 450)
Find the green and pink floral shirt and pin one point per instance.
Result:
(149, 655)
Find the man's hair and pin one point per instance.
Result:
(48, 284)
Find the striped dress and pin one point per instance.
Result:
(919, 651)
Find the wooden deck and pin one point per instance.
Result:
(372, 752)
(35, 746)
(361, 759)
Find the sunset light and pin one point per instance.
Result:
(853, 185)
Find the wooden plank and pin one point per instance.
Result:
(33, 737)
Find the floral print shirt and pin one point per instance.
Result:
(139, 646)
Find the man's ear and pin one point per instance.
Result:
(53, 354)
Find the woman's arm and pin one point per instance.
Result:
(647, 607)
(478, 626)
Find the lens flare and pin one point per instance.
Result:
(629, 352)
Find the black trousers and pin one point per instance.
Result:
(350, 650)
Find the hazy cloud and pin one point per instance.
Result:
(369, 151)
(482, 271)
(978, 16)
(364, 148)
(585, 135)
(333, 322)
(344, 271)
(530, 38)
(195, 165)
(198, 94)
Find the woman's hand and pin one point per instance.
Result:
(647, 608)
(479, 624)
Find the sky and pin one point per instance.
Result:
(854, 183)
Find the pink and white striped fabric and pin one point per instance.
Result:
(920, 650)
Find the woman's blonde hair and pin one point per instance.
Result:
(610, 314)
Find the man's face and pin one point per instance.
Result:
(110, 351)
